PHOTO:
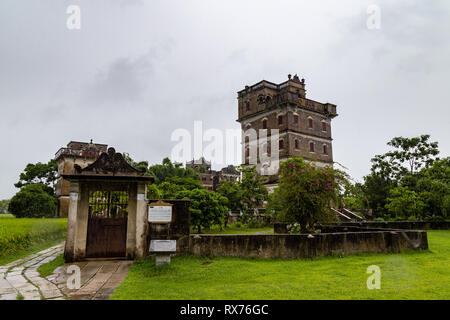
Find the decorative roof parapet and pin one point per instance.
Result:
(109, 163)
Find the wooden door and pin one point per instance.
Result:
(107, 224)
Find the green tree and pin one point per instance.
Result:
(142, 165)
(4, 206)
(376, 189)
(167, 169)
(354, 197)
(207, 208)
(253, 193)
(32, 201)
(404, 203)
(433, 185)
(408, 156)
(153, 192)
(43, 173)
(305, 193)
(232, 191)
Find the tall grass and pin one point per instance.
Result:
(19, 234)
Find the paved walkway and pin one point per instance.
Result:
(20, 279)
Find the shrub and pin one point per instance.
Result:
(305, 193)
(32, 201)
(207, 208)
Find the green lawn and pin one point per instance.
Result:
(410, 275)
(236, 228)
(25, 236)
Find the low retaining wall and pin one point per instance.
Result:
(281, 227)
(303, 245)
(410, 225)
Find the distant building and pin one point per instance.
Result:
(304, 124)
(80, 153)
(211, 179)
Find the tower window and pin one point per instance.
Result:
(296, 144)
(281, 144)
(324, 126)
(310, 122)
(264, 124)
(247, 105)
(311, 146)
(280, 119)
(247, 152)
(296, 118)
(325, 149)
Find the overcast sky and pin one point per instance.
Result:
(138, 70)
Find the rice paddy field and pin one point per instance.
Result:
(18, 237)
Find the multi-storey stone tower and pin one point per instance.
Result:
(304, 124)
(76, 153)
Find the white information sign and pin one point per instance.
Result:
(163, 245)
(160, 214)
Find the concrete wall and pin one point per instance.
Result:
(280, 227)
(302, 245)
(410, 225)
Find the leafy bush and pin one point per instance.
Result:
(305, 192)
(32, 201)
(207, 208)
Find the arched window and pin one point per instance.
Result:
(247, 105)
(310, 122)
(295, 118)
(280, 119)
(296, 144)
(325, 149)
(311, 146)
(264, 124)
(281, 144)
(324, 126)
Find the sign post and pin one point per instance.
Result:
(160, 212)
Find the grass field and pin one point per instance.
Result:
(409, 275)
(21, 237)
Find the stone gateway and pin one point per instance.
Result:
(107, 216)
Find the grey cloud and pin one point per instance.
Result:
(137, 70)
